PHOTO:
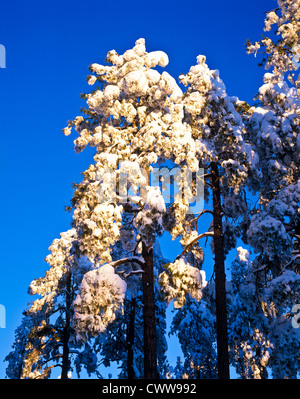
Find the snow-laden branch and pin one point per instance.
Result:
(200, 214)
(194, 240)
(131, 259)
(126, 275)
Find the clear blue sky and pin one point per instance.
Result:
(49, 46)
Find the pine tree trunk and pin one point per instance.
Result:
(150, 357)
(220, 278)
(66, 331)
(130, 341)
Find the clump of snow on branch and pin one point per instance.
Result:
(180, 279)
(268, 235)
(62, 260)
(149, 219)
(101, 297)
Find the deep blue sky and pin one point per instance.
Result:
(49, 46)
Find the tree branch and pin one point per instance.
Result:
(187, 247)
(294, 258)
(200, 214)
(133, 259)
(126, 275)
(50, 359)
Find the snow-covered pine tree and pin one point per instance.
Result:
(218, 146)
(194, 324)
(132, 117)
(45, 336)
(250, 347)
(16, 357)
(274, 131)
(122, 341)
(273, 232)
(273, 128)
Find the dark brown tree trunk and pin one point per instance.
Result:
(66, 331)
(150, 358)
(220, 278)
(130, 341)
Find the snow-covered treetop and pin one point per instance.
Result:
(134, 118)
(134, 104)
(282, 52)
(216, 126)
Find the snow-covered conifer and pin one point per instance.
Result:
(131, 118)
(194, 324)
(48, 333)
(281, 50)
(217, 131)
(16, 357)
(250, 347)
